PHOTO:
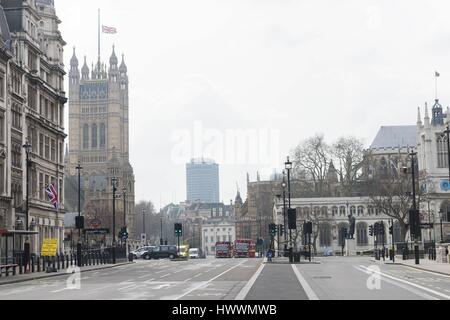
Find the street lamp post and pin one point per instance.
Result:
(441, 213)
(288, 167)
(161, 233)
(79, 168)
(413, 172)
(284, 212)
(26, 251)
(114, 185)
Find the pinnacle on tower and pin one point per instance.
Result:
(123, 66)
(74, 60)
(85, 70)
(419, 117)
(113, 61)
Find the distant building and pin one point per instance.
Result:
(202, 181)
(217, 231)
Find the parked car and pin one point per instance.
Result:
(161, 252)
(140, 251)
(194, 253)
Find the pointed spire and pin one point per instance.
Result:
(419, 118)
(74, 60)
(113, 61)
(427, 115)
(85, 70)
(123, 67)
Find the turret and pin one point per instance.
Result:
(419, 118)
(437, 113)
(427, 116)
(113, 71)
(74, 73)
(85, 70)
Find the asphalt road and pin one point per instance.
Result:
(332, 278)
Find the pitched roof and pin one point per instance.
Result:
(395, 137)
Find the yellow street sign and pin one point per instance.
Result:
(49, 247)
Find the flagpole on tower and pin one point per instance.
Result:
(99, 35)
(436, 76)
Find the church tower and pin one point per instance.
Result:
(99, 140)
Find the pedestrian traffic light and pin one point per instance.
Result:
(124, 233)
(371, 230)
(281, 230)
(178, 229)
(414, 224)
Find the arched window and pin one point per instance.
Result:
(102, 135)
(353, 210)
(342, 211)
(371, 210)
(324, 211)
(85, 136)
(316, 211)
(360, 210)
(341, 235)
(361, 234)
(94, 136)
(334, 211)
(325, 234)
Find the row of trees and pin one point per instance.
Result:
(317, 161)
(345, 168)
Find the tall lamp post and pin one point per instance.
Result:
(161, 232)
(79, 168)
(114, 186)
(441, 213)
(284, 185)
(28, 148)
(413, 154)
(288, 167)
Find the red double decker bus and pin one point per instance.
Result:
(244, 249)
(224, 249)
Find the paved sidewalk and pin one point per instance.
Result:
(425, 265)
(42, 275)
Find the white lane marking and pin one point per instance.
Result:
(309, 291)
(400, 285)
(409, 283)
(197, 275)
(126, 287)
(188, 279)
(60, 290)
(246, 289)
(166, 275)
(204, 283)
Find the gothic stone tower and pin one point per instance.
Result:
(99, 141)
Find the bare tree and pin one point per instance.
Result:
(312, 159)
(349, 152)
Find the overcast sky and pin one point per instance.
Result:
(201, 70)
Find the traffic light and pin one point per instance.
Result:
(381, 229)
(273, 229)
(414, 224)
(79, 222)
(344, 233)
(124, 233)
(391, 230)
(178, 229)
(292, 219)
(371, 233)
(281, 230)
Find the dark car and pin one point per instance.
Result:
(161, 252)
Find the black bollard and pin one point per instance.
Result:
(32, 264)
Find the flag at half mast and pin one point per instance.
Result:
(437, 74)
(109, 30)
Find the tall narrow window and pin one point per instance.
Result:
(442, 153)
(85, 136)
(94, 136)
(102, 135)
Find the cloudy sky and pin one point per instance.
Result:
(271, 72)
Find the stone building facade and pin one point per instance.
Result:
(99, 142)
(31, 110)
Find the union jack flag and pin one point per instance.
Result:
(111, 30)
(52, 195)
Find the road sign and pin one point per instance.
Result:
(49, 247)
(96, 231)
(143, 237)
